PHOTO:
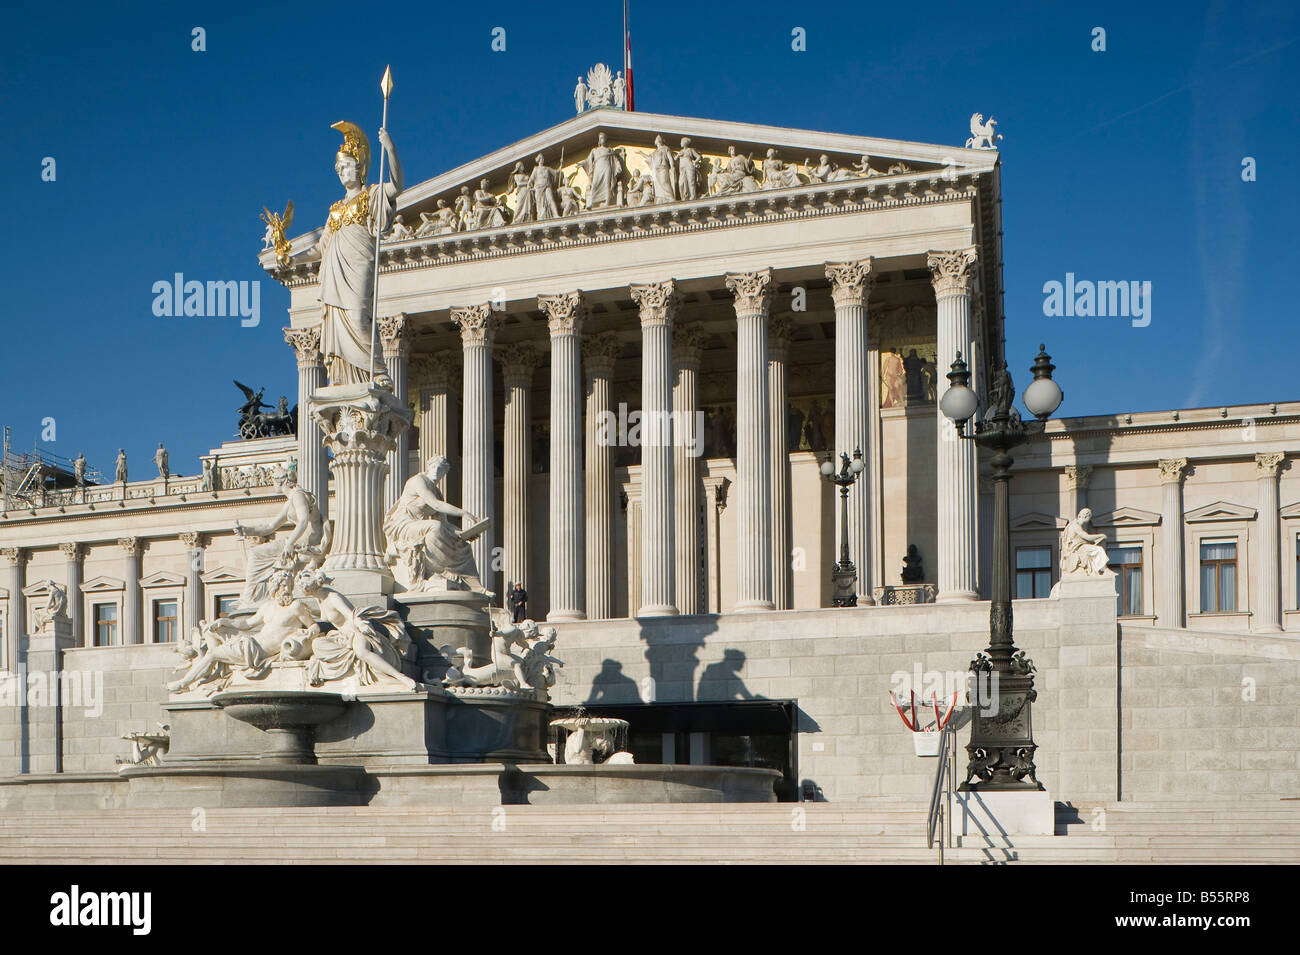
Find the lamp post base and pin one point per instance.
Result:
(845, 579)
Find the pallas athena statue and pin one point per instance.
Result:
(347, 248)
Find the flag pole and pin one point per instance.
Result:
(386, 86)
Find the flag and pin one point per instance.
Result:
(627, 57)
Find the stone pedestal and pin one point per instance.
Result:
(43, 661)
(995, 814)
(453, 618)
(361, 424)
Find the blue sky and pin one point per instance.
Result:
(1117, 165)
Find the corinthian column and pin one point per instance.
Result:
(753, 293)
(851, 284)
(395, 336)
(777, 376)
(193, 580)
(1077, 478)
(1169, 585)
(73, 553)
(433, 380)
(658, 304)
(132, 610)
(1267, 616)
(951, 273)
(478, 326)
(564, 315)
(688, 349)
(599, 354)
(518, 362)
(313, 461)
(15, 559)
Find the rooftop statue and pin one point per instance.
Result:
(604, 167)
(276, 225)
(981, 133)
(254, 424)
(347, 248)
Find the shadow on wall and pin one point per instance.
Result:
(673, 645)
(721, 680)
(612, 685)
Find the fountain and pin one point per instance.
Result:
(593, 739)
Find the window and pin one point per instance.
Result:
(105, 625)
(1218, 576)
(1033, 572)
(225, 606)
(165, 622)
(1126, 562)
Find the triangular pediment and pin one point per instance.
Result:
(1291, 510)
(1220, 511)
(1038, 521)
(632, 134)
(222, 575)
(1126, 517)
(102, 584)
(40, 588)
(162, 578)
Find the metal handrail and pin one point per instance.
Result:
(939, 815)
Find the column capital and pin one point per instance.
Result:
(478, 324)
(688, 345)
(564, 312)
(193, 540)
(73, 550)
(431, 371)
(306, 345)
(778, 338)
(1077, 476)
(131, 546)
(395, 335)
(1171, 470)
(951, 271)
(657, 302)
(851, 282)
(753, 290)
(14, 556)
(518, 362)
(1268, 463)
(599, 354)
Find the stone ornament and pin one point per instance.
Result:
(951, 271)
(753, 290)
(689, 342)
(518, 362)
(55, 607)
(657, 302)
(147, 749)
(981, 133)
(1171, 470)
(1268, 464)
(600, 353)
(281, 643)
(427, 537)
(1078, 476)
(395, 334)
(851, 282)
(478, 324)
(306, 546)
(305, 343)
(1083, 554)
(602, 89)
(521, 659)
(564, 313)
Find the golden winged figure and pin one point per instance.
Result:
(276, 224)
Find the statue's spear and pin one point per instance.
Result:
(386, 85)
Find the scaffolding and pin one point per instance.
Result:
(30, 477)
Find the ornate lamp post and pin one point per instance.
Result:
(1001, 750)
(845, 575)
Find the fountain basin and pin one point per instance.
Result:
(288, 718)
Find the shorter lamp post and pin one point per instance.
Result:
(845, 575)
(1001, 750)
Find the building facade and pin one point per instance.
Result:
(639, 386)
